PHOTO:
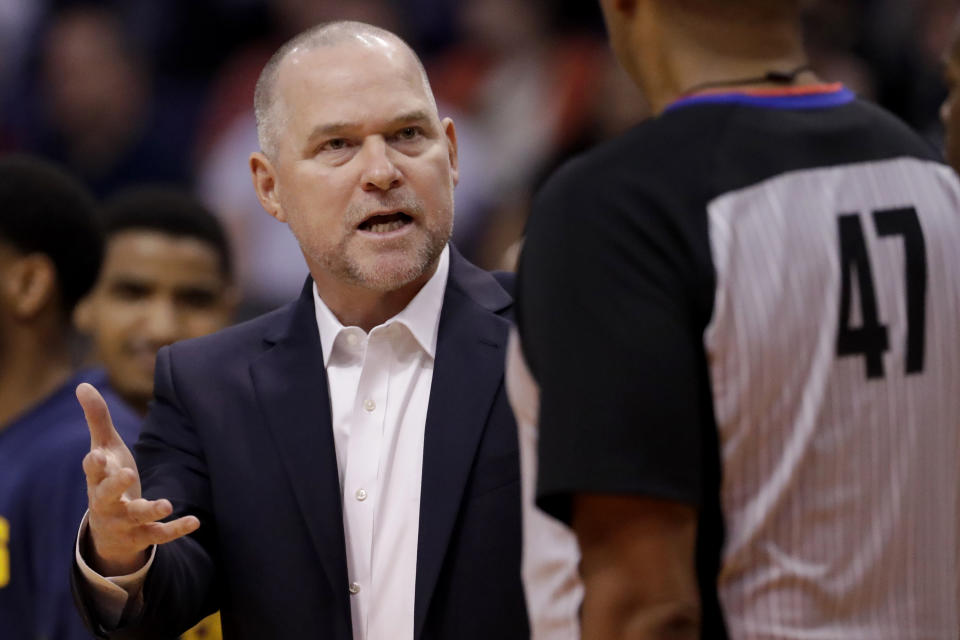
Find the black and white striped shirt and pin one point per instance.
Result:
(751, 304)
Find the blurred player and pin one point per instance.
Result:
(743, 319)
(50, 249)
(166, 276)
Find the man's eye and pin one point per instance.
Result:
(335, 144)
(408, 133)
(197, 298)
(129, 291)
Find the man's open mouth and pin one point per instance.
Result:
(385, 223)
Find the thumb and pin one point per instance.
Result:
(102, 432)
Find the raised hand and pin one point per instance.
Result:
(122, 525)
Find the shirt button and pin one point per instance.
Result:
(352, 339)
(361, 494)
(354, 588)
(370, 405)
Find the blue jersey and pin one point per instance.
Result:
(43, 497)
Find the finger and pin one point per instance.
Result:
(102, 432)
(142, 511)
(95, 468)
(164, 532)
(108, 494)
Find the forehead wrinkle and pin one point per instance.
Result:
(392, 48)
(344, 127)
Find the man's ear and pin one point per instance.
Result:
(31, 285)
(451, 134)
(265, 184)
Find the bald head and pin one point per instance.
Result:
(269, 112)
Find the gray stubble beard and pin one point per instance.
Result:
(339, 263)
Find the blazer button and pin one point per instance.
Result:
(354, 588)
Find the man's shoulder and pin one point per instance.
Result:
(652, 147)
(661, 164)
(869, 132)
(220, 361)
(47, 443)
(54, 423)
(238, 340)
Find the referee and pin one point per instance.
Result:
(742, 317)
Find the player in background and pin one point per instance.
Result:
(50, 250)
(167, 276)
(743, 319)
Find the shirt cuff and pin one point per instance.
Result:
(110, 595)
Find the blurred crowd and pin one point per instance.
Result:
(127, 92)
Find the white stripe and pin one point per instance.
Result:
(840, 492)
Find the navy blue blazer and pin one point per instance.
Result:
(240, 435)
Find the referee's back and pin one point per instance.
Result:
(784, 354)
(834, 359)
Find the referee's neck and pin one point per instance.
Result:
(672, 52)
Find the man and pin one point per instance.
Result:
(166, 277)
(50, 248)
(759, 285)
(347, 465)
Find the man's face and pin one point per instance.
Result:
(950, 111)
(153, 290)
(363, 168)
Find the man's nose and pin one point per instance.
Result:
(379, 171)
(162, 323)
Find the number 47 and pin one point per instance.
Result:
(870, 338)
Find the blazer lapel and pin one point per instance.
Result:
(468, 371)
(291, 386)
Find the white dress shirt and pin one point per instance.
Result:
(379, 389)
(379, 385)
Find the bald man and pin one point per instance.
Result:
(346, 466)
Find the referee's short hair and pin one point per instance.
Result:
(168, 210)
(45, 210)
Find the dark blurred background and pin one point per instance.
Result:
(124, 92)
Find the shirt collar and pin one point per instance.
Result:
(421, 316)
(817, 96)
